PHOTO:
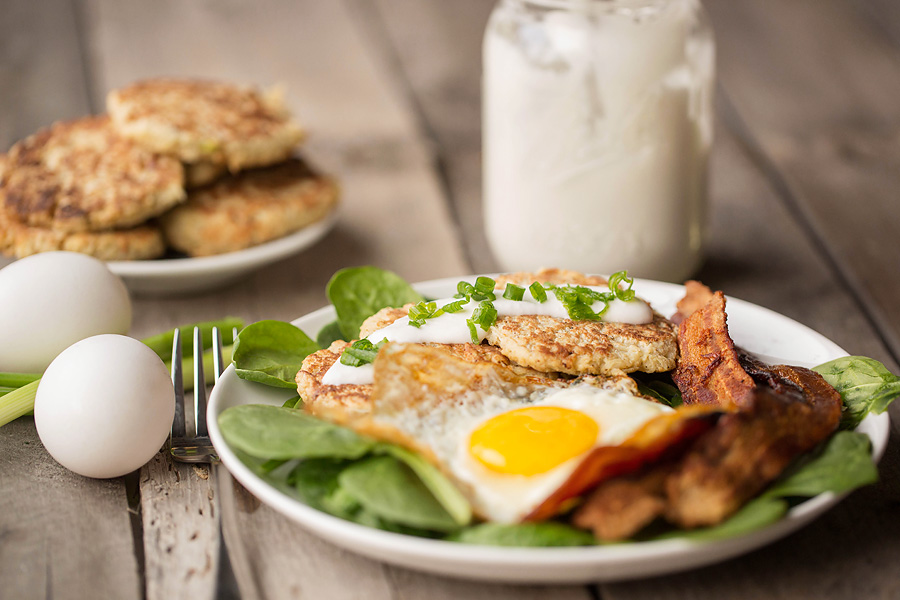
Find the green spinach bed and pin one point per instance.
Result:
(335, 470)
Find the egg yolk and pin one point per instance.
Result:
(532, 440)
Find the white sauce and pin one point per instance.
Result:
(451, 328)
(597, 130)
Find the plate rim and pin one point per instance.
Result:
(239, 260)
(581, 564)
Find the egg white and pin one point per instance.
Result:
(445, 431)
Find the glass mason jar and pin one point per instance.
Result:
(597, 126)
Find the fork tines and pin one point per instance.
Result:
(193, 445)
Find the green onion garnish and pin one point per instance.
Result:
(473, 333)
(513, 292)
(361, 352)
(485, 315)
(484, 289)
(464, 289)
(538, 292)
(454, 307)
(615, 279)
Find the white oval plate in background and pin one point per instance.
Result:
(184, 275)
(173, 276)
(771, 336)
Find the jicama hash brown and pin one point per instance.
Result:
(530, 438)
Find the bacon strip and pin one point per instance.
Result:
(709, 370)
(776, 413)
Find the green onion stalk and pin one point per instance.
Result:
(18, 390)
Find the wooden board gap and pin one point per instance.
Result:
(843, 273)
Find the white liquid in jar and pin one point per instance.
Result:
(597, 129)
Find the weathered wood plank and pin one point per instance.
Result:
(817, 87)
(180, 528)
(41, 71)
(437, 46)
(60, 534)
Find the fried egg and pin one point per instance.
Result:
(516, 447)
(515, 459)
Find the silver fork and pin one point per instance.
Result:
(193, 446)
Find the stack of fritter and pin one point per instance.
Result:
(199, 167)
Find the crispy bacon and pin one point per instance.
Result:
(667, 434)
(775, 413)
(709, 370)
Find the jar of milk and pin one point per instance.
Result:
(597, 120)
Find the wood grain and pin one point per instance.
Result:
(816, 85)
(41, 71)
(180, 529)
(436, 48)
(61, 534)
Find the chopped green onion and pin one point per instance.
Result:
(361, 352)
(454, 307)
(538, 292)
(473, 333)
(422, 311)
(513, 292)
(485, 315)
(484, 289)
(465, 289)
(615, 279)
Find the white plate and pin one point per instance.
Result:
(171, 276)
(754, 328)
(183, 275)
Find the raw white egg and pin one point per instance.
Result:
(51, 300)
(104, 406)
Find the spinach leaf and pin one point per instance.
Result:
(440, 487)
(295, 402)
(357, 293)
(660, 390)
(329, 334)
(391, 490)
(316, 482)
(547, 533)
(864, 384)
(844, 463)
(275, 432)
(271, 352)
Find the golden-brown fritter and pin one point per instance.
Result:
(586, 347)
(199, 120)
(550, 344)
(82, 176)
(136, 243)
(252, 207)
(202, 173)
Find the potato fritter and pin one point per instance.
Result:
(247, 209)
(82, 176)
(136, 243)
(208, 121)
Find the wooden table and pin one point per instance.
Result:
(804, 220)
